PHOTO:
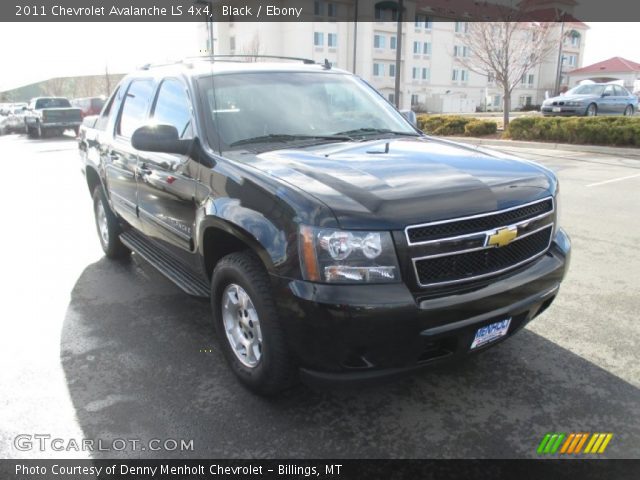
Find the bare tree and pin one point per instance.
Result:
(252, 49)
(506, 51)
(56, 87)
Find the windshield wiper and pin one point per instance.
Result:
(283, 137)
(377, 131)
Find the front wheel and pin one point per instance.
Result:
(628, 111)
(592, 110)
(108, 227)
(247, 324)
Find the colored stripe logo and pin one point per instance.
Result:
(574, 443)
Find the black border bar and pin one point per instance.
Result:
(586, 469)
(304, 10)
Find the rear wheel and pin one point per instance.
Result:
(247, 324)
(108, 227)
(628, 111)
(592, 110)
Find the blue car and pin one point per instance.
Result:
(591, 100)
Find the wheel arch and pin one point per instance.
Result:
(218, 238)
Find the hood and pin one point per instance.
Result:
(392, 183)
(569, 98)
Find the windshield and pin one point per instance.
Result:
(288, 106)
(586, 90)
(52, 103)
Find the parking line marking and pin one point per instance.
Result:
(613, 180)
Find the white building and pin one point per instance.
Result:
(432, 76)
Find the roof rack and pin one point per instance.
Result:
(306, 61)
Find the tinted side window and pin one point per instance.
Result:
(135, 107)
(172, 108)
(621, 92)
(608, 91)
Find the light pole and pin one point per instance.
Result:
(398, 53)
(209, 21)
(559, 71)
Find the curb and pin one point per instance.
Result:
(621, 151)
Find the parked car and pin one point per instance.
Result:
(88, 106)
(334, 240)
(592, 99)
(51, 115)
(13, 122)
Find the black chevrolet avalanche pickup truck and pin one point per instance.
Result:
(336, 242)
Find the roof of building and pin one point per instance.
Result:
(612, 65)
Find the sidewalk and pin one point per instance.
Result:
(490, 142)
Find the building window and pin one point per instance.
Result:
(426, 48)
(575, 40)
(378, 69)
(526, 100)
(571, 60)
(317, 8)
(414, 100)
(318, 39)
(497, 100)
(422, 21)
(332, 40)
(378, 41)
(393, 43)
(426, 74)
(392, 70)
(528, 79)
(392, 98)
(491, 77)
(460, 75)
(332, 10)
(416, 48)
(462, 27)
(460, 51)
(415, 73)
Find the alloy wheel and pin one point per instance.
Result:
(242, 325)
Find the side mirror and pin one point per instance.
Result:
(410, 115)
(161, 139)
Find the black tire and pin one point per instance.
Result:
(274, 371)
(628, 112)
(111, 245)
(592, 110)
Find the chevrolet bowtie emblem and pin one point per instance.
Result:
(502, 237)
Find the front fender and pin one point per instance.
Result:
(270, 241)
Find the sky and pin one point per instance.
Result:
(87, 48)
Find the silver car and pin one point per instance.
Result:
(591, 100)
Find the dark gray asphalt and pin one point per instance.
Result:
(98, 349)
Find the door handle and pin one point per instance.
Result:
(143, 169)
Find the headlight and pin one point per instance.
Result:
(573, 104)
(340, 256)
(557, 205)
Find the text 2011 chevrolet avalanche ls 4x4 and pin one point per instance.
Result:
(335, 240)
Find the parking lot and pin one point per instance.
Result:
(98, 349)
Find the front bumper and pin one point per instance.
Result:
(366, 332)
(564, 111)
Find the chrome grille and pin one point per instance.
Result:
(451, 228)
(460, 250)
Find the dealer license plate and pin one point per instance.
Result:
(490, 333)
(556, 109)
